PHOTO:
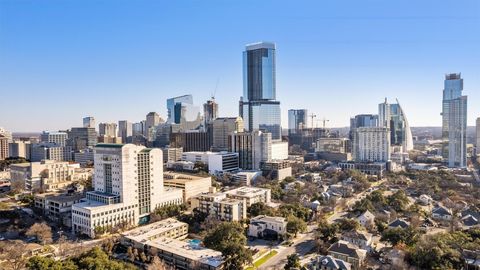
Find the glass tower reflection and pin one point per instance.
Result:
(258, 107)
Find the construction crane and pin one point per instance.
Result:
(324, 121)
(312, 116)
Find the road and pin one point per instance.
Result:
(302, 245)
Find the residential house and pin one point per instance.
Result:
(349, 253)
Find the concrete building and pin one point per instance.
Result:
(222, 128)
(185, 255)
(172, 154)
(276, 169)
(128, 185)
(246, 178)
(191, 185)
(251, 195)
(220, 207)
(267, 227)
(84, 157)
(181, 111)
(125, 131)
(371, 144)
(56, 137)
(181, 166)
(19, 149)
(3, 147)
(454, 121)
(51, 151)
(192, 140)
(89, 122)
(170, 228)
(371, 168)
(153, 119)
(210, 111)
(297, 120)
(252, 148)
(333, 145)
(258, 106)
(80, 138)
(57, 206)
(107, 129)
(279, 150)
(47, 175)
(109, 139)
(217, 162)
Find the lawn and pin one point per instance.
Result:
(262, 260)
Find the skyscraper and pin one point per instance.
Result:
(182, 111)
(297, 119)
(362, 120)
(107, 129)
(89, 122)
(222, 128)
(258, 107)
(393, 117)
(59, 138)
(210, 111)
(125, 130)
(454, 121)
(371, 144)
(252, 148)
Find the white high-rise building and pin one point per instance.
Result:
(454, 121)
(107, 129)
(371, 144)
(128, 186)
(393, 117)
(57, 137)
(125, 130)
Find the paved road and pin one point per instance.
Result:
(302, 245)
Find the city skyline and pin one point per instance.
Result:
(321, 50)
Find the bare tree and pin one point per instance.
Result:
(158, 264)
(42, 231)
(12, 253)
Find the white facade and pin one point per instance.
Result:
(279, 150)
(128, 185)
(217, 162)
(371, 144)
(261, 223)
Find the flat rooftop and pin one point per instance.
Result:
(61, 197)
(150, 231)
(181, 177)
(187, 250)
(247, 191)
(263, 218)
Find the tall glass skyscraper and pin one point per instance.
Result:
(454, 121)
(258, 107)
(297, 119)
(180, 110)
(392, 117)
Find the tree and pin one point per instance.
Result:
(398, 201)
(45, 263)
(293, 262)
(41, 231)
(12, 252)
(327, 232)
(97, 259)
(158, 264)
(229, 238)
(347, 224)
(396, 236)
(260, 208)
(296, 225)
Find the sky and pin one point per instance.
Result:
(118, 60)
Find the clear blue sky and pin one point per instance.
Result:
(62, 60)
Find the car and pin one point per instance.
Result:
(2, 238)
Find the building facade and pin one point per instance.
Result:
(252, 148)
(89, 122)
(297, 119)
(107, 129)
(393, 117)
(56, 137)
(454, 121)
(371, 144)
(258, 107)
(217, 162)
(222, 128)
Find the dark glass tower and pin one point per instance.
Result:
(258, 107)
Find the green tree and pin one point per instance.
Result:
(296, 225)
(327, 232)
(398, 201)
(229, 238)
(394, 236)
(260, 208)
(293, 262)
(347, 224)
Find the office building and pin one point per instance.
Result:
(152, 120)
(306, 138)
(57, 207)
(258, 106)
(297, 120)
(252, 148)
(107, 129)
(80, 138)
(246, 178)
(376, 168)
(58, 138)
(393, 117)
(3, 147)
(84, 157)
(125, 131)
(217, 162)
(47, 175)
(182, 111)
(191, 185)
(210, 111)
(454, 121)
(172, 154)
(51, 151)
(191, 140)
(220, 207)
(333, 145)
(276, 169)
(5, 133)
(371, 144)
(109, 139)
(222, 128)
(138, 129)
(279, 150)
(19, 149)
(89, 122)
(128, 185)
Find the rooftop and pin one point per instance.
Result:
(247, 191)
(263, 218)
(151, 231)
(260, 45)
(187, 250)
(181, 177)
(61, 197)
(109, 145)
